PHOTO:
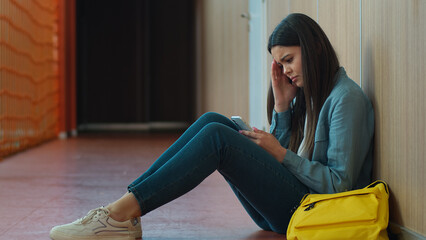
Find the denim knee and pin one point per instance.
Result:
(212, 117)
(215, 128)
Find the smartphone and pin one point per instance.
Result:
(242, 125)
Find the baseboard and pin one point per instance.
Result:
(62, 135)
(133, 126)
(403, 233)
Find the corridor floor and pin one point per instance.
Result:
(60, 181)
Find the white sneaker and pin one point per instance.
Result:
(98, 225)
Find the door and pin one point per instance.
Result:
(224, 57)
(134, 62)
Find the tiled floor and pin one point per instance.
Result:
(61, 180)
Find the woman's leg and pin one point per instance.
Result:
(265, 187)
(205, 119)
(127, 206)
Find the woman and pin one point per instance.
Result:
(320, 139)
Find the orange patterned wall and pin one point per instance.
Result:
(29, 82)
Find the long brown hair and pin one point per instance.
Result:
(319, 66)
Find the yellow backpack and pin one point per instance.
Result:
(359, 214)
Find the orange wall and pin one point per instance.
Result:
(33, 67)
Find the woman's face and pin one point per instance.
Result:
(290, 60)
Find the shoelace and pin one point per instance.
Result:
(94, 214)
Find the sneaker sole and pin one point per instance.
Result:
(59, 236)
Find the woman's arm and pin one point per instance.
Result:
(281, 127)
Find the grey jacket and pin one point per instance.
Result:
(342, 158)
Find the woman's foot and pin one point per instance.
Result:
(98, 224)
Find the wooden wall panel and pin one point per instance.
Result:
(393, 67)
(308, 7)
(343, 30)
(225, 59)
(279, 9)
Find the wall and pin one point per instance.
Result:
(382, 45)
(393, 70)
(223, 59)
(29, 91)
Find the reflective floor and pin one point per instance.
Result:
(61, 180)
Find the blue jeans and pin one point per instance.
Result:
(266, 189)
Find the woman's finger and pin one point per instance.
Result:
(256, 130)
(273, 70)
(249, 134)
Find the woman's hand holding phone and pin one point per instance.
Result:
(266, 141)
(284, 91)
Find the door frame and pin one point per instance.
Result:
(258, 66)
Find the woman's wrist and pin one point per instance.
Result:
(281, 154)
(281, 107)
